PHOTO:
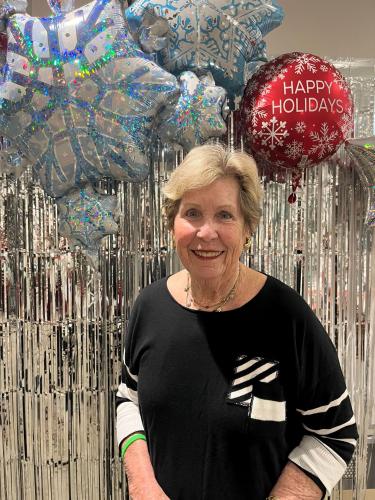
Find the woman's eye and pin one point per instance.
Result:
(226, 215)
(192, 212)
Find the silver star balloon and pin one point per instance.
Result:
(85, 217)
(197, 116)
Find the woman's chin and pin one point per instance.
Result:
(205, 273)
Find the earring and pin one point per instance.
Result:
(247, 244)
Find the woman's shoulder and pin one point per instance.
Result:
(285, 297)
(152, 291)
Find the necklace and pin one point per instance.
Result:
(218, 306)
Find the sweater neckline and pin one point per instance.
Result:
(197, 312)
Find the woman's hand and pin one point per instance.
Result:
(142, 484)
(150, 491)
(293, 484)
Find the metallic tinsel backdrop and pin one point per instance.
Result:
(62, 323)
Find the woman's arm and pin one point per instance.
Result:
(142, 484)
(293, 484)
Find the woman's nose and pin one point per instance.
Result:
(207, 231)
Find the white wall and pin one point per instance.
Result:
(333, 28)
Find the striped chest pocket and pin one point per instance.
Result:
(256, 385)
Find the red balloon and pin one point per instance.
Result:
(296, 111)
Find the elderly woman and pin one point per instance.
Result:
(231, 389)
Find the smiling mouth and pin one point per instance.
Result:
(207, 254)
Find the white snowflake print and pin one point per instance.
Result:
(294, 150)
(324, 141)
(255, 111)
(340, 81)
(273, 133)
(265, 153)
(281, 75)
(273, 72)
(252, 86)
(346, 125)
(300, 127)
(265, 89)
(305, 62)
(323, 68)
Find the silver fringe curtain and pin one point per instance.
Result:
(62, 323)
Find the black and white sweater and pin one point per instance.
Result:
(226, 399)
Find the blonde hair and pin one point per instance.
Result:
(204, 165)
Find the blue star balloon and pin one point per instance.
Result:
(85, 217)
(220, 36)
(80, 98)
(197, 116)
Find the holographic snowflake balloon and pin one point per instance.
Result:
(80, 98)
(85, 217)
(197, 116)
(60, 6)
(224, 37)
(12, 161)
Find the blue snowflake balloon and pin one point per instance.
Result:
(198, 114)
(85, 217)
(80, 98)
(221, 36)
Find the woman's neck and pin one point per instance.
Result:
(212, 294)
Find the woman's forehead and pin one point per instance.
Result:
(225, 190)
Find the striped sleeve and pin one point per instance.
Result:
(127, 410)
(330, 432)
(128, 417)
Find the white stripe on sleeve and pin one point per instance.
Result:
(128, 416)
(131, 375)
(128, 420)
(326, 432)
(318, 459)
(125, 392)
(353, 442)
(323, 409)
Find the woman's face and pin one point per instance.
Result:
(209, 230)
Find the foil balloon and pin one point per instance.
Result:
(197, 116)
(8, 8)
(152, 36)
(61, 6)
(80, 98)
(220, 36)
(85, 217)
(362, 152)
(296, 111)
(12, 161)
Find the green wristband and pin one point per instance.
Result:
(129, 441)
